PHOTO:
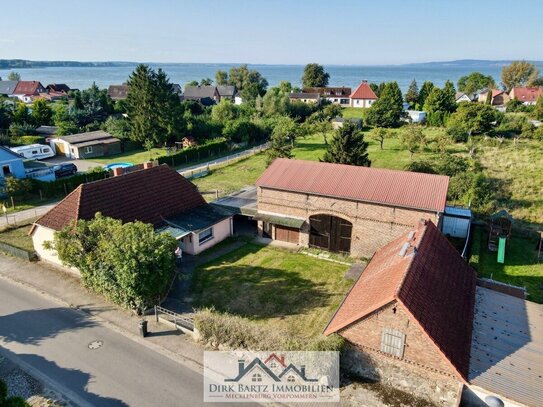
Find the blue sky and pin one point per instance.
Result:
(272, 32)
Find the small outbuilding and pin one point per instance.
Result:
(86, 145)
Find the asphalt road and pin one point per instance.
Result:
(56, 343)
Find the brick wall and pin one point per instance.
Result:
(422, 369)
(373, 225)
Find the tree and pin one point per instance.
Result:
(221, 78)
(14, 401)
(133, 267)
(413, 140)
(249, 83)
(439, 104)
(192, 83)
(380, 135)
(475, 118)
(21, 114)
(14, 76)
(388, 109)
(223, 111)
(519, 73)
(17, 186)
(285, 86)
(425, 91)
(314, 76)
(347, 147)
(538, 110)
(42, 114)
(206, 82)
(412, 94)
(6, 116)
(474, 82)
(282, 140)
(118, 127)
(275, 102)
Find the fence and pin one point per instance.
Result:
(17, 252)
(186, 324)
(221, 162)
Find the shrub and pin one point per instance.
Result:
(421, 166)
(66, 185)
(26, 140)
(214, 147)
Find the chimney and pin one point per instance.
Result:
(241, 365)
(148, 164)
(117, 171)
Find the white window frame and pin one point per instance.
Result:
(88, 149)
(208, 235)
(393, 342)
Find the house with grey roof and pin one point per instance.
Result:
(7, 87)
(86, 145)
(209, 95)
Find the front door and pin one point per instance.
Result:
(331, 233)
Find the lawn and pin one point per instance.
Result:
(290, 292)
(134, 156)
(18, 237)
(520, 267)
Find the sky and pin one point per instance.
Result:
(343, 32)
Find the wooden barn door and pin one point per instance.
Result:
(286, 234)
(330, 233)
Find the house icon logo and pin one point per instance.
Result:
(274, 368)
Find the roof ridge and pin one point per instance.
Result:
(411, 261)
(58, 203)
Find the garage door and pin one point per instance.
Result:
(286, 234)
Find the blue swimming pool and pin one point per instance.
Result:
(117, 165)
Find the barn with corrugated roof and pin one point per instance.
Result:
(344, 208)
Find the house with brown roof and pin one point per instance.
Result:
(409, 317)
(499, 97)
(526, 95)
(363, 96)
(157, 195)
(336, 95)
(27, 90)
(86, 145)
(118, 92)
(344, 208)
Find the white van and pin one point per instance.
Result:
(34, 151)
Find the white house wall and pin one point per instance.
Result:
(41, 234)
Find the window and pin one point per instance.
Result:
(6, 170)
(273, 365)
(35, 152)
(205, 235)
(290, 378)
(256, 377)
(392, 342)
(88, 150)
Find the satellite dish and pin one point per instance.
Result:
(493, 401)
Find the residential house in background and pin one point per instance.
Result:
(26, 91)
(209, 95)
(313, 98)
(344, 208)
(336, 95)
(363, 96)
(409, 317)
(11, 164)
(499, 97)
(7, 87)
(58, 87)
(118, 92)
(155, 194)
(527, 96)
(86, 145)
(462, 97)
(227, 92)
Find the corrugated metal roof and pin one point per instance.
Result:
(396, 188)
(458, 211)
(86, 137)
(507, 347)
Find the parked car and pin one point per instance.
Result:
(34, 151)
(65, 170)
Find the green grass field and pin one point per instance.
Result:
(134, 156)
(291, 292)
(18, 237)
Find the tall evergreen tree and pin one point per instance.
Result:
(425, 91)
(439, 104)
(450, 96)
(348, 147)
(388, 109)
(412, 94)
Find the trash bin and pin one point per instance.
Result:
(143, 328)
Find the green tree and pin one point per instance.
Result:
(275, 102)
(474, 82)
(519, 73)
(283, 136)
(285, 86)
(439, 104)
(223, 111)
(475, 118)
(42, 114)
(388, 109)
(221, 78)
(249, 83)
(133, 267)
(380, 134)
(192, 83)
(413, 139)
(412, 94)
(6, 116)
(206, 82)
(14, 76)
(347, 147)
(118, 127)
(425, 91)
(314, 76)
(21, 114)
(17, 186)
(538, 110)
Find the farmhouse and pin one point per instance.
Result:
(409, 316)
(86, 145)
(156, 195)
(344, 208)
(363, 96)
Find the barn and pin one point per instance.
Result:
(344, 208)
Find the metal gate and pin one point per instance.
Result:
(331, 233)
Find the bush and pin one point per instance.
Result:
(63, 186)
(26, 140)
(238, 333)
(191, 154)
(421, 166)
(17, 186)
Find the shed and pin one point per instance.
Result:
(456, 221)
(87, 145)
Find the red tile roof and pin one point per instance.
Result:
(28, 88)
(147, 195)
(363, 92)
(527, 94)
(389, 187)
(432, 281)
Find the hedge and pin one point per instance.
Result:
(64, 186)
(192, 154)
